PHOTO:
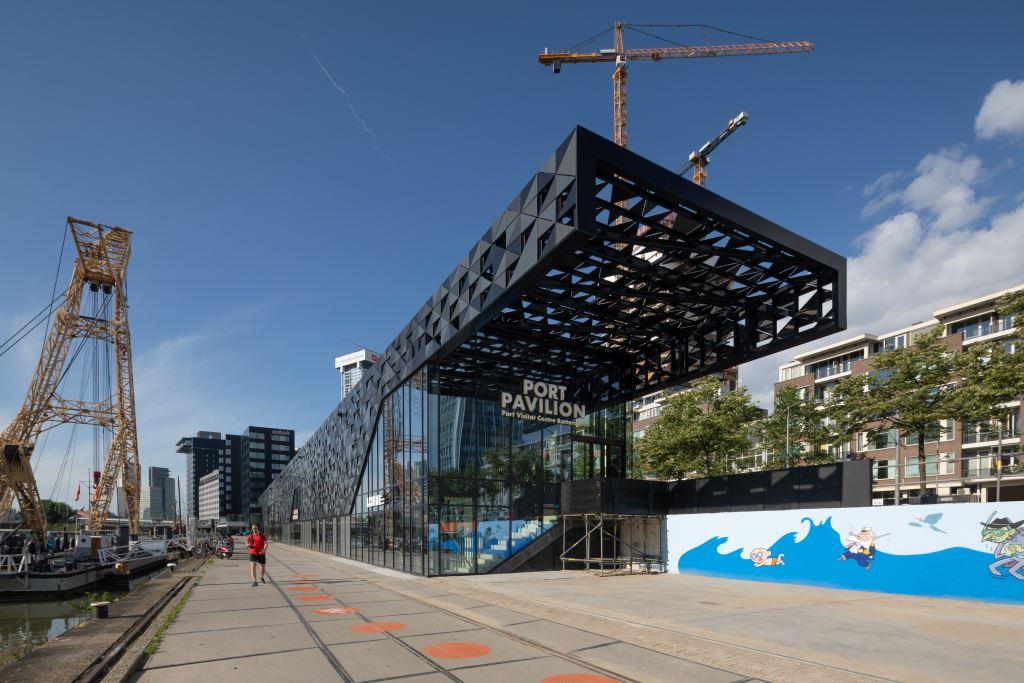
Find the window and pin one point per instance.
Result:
(883, 469)
(943, 431)
(872, 441)
(931, 465)
(892, 343)
(835, 366)
(791, 373)
(982, 325)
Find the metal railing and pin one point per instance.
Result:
(971, 436)
(971, 467)
(14, 564)
(986, 328)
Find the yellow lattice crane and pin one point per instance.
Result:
(621, 57)
(100, 269)
(700, 159)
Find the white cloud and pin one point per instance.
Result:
(930, 255)
(882, 182)
(944, 189)
(1002, 112)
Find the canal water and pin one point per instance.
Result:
(25, 626)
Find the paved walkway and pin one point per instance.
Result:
(323, 619)
(320, 619)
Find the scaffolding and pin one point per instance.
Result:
(624, 556)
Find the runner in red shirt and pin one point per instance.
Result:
(257, 543)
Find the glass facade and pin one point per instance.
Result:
(455, 485)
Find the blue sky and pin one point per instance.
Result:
(272, 230)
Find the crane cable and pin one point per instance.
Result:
(32, 324)
(48, 309)
(700, 26)
(588, 40)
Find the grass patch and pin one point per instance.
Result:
(154, 642)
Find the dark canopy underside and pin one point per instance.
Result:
(607, 274)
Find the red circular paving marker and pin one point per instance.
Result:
(302, 589)
(377, 627)
(313, 598)
(456, 650)
(579, 678)
(335, 610)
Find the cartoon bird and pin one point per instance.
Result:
(929, 521)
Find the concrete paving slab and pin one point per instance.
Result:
(500, 616)
(523, 671)
(428, 623)
(206, 621)
(186, 648)
(558, 636)
(379, 659)
(653, 667)
(260, 602)
(309, 613)
(300, 665)
(365, 597)
(455, 601)
(338, 632)
(502, 648)
(392, 608)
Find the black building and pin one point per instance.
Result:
(266, 451)
(205, 452)
(606, 278)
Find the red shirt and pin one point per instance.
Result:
(257, 544)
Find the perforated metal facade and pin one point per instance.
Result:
(608, 274)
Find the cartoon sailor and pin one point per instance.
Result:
(860, 546)
(762, 557)
(1009, 550)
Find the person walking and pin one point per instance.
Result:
(257, 544)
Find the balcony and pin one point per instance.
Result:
(986, 328)
(831, 371)
(985, 467)
(973, 437)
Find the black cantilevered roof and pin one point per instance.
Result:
(604, 260)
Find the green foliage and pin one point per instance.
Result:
(699, 430)
(82, 604)
(57, 512)
(910, 389)
(805, 426)
(990, 375)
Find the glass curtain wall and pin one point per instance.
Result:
(387, 523)
(453, 486)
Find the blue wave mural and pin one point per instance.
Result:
(823, 558)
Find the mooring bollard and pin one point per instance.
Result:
(171, 566)
(100, 609)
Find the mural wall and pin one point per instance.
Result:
(971, 551)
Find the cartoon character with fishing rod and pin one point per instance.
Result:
(860, 547)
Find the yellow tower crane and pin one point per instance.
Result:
(700, 159)
(621, 57)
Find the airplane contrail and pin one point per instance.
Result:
(348, 101)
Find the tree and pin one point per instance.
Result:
(56, 512)
(993, 374)
(699, 430)
(795, 422)
(911, 390)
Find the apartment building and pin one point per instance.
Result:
(961, 460)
